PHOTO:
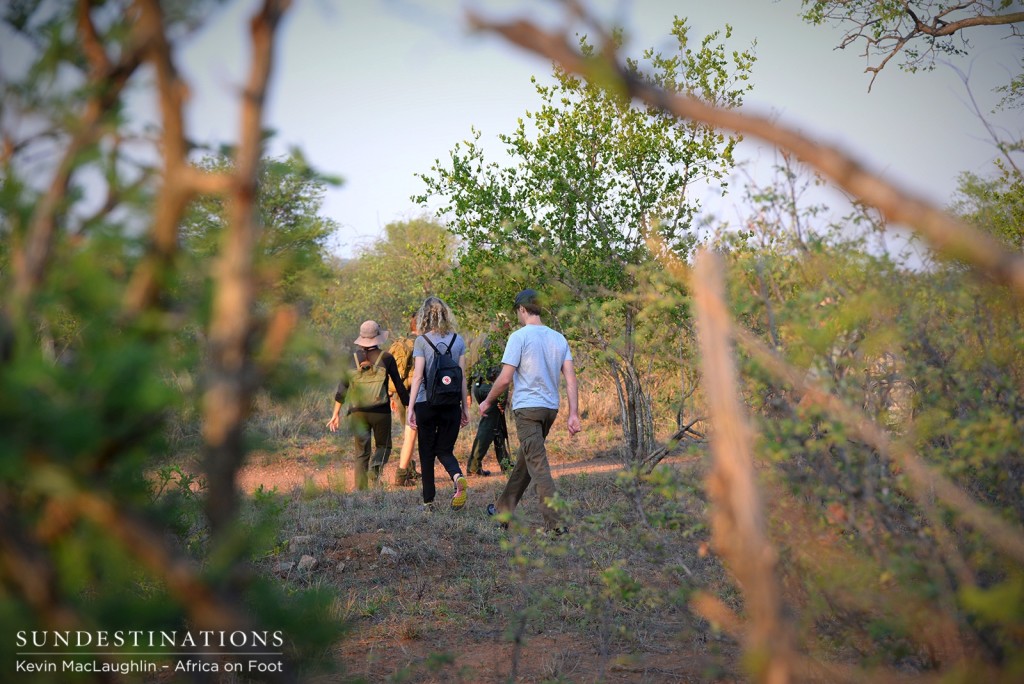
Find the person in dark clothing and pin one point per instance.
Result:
(492, 428)
(438, 424)
(365, 387)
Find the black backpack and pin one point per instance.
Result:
(444, 381)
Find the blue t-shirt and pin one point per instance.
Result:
(537, 352)
(422, 350)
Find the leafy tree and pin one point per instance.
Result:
(292, 251)
(996, 205)
(922, 30)
(388, 279)
(594, 188)
(931, 354)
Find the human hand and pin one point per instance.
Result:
(574, 424)
(410, 417)
(464, 420)
(484, 406)
(334, 422)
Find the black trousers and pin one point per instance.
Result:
(492, 429)
(437, 428)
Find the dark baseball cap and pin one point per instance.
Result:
(527, 296)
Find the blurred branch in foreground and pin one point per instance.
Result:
(948, 235)
(233, 375)
(737, 518)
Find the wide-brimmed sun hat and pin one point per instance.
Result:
(370, 334)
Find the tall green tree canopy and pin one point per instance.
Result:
(293, 242)
(388, 279)
(591, 180)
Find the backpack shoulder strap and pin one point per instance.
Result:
(427, 340)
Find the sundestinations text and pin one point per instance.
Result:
(149, 639)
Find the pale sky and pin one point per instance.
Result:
(376, 90)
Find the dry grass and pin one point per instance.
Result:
(448, 596)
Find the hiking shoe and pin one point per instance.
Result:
(428, 507)
(459, 498)
(493, 511)
(480, 473)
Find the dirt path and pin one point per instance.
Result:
(292, 471)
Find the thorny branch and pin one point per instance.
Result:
(181, 181)
(738, 529)
(30, 255)
(234, 364)
(232, 375)
(947, 234)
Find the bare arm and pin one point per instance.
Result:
(572, 391)
(335, 420)
(501, 384)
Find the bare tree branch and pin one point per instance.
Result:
(31, 257)
(1004, 536)
(947, 234)
(181, 181)
(232, 374)
(938, 28)
(91, 44)
(737, 518)
(888, 34)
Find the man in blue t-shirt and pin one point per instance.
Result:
(535, 356)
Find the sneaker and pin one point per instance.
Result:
(559, 531)
(428, 507)
(459, 498)
(492, 511)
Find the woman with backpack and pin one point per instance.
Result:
(439, 407)
(365, 389)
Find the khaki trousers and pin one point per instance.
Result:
(532, 426)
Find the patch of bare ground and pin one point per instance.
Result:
(449, 597)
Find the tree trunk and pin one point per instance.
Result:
(634, 403)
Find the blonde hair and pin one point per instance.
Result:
(435, 316)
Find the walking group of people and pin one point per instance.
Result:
(426, 371)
